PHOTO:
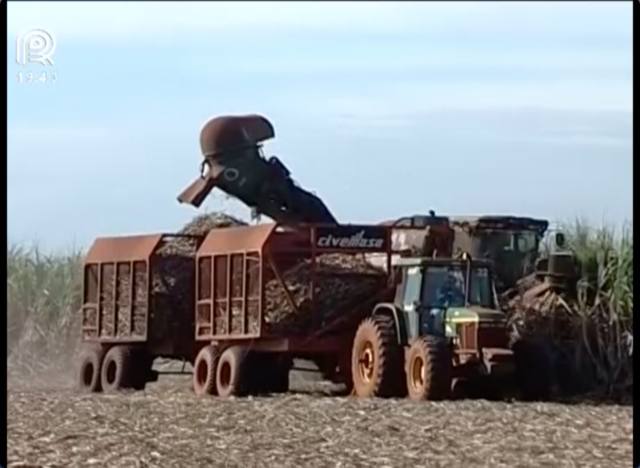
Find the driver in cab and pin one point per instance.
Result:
(451, 291)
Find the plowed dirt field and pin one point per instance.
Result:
(167, 426)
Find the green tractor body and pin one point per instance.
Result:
(444, 330)
(455, 300)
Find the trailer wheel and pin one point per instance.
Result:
(376, 360)
(88, 377)
(231, 375)
(533, 370)
(117, 369)
(204, 371)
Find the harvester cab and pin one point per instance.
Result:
(511, 242)
(234, 163)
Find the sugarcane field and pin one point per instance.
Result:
(276, 247)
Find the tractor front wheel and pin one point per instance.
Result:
(428, 369)
(376, 359)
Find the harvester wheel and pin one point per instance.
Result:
(376, 360)
(88, 377)
(428, 369)
(533, 370)
(231, 375)
(117, 369)
(204, 371)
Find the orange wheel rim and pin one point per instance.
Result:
(417, 372)
(366, 362)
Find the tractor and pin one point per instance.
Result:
(443, 335)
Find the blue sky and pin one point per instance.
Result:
(382, 109)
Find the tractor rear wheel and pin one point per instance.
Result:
(428, 369)
(231, 372)
(117, 369)
(204, 371)
(88, 376)
(376, 359)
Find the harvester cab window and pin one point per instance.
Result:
(493, 243)
(526, 242)
(481, 292)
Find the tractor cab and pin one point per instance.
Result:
(452, 298)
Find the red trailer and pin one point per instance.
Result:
(268, 293)
(137, 305)
(239, 304)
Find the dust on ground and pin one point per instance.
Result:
(167, 425)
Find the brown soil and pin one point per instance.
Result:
(168, 426)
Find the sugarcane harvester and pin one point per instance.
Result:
(234, 163)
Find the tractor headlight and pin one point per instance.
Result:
(450, 330)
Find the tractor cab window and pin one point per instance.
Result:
(444, 287)
(412, 288)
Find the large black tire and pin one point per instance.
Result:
(204, 371)
(88, 372)
(428, 369)
(534, 369)
(118, 369)
(231, 373)
(376, 360)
